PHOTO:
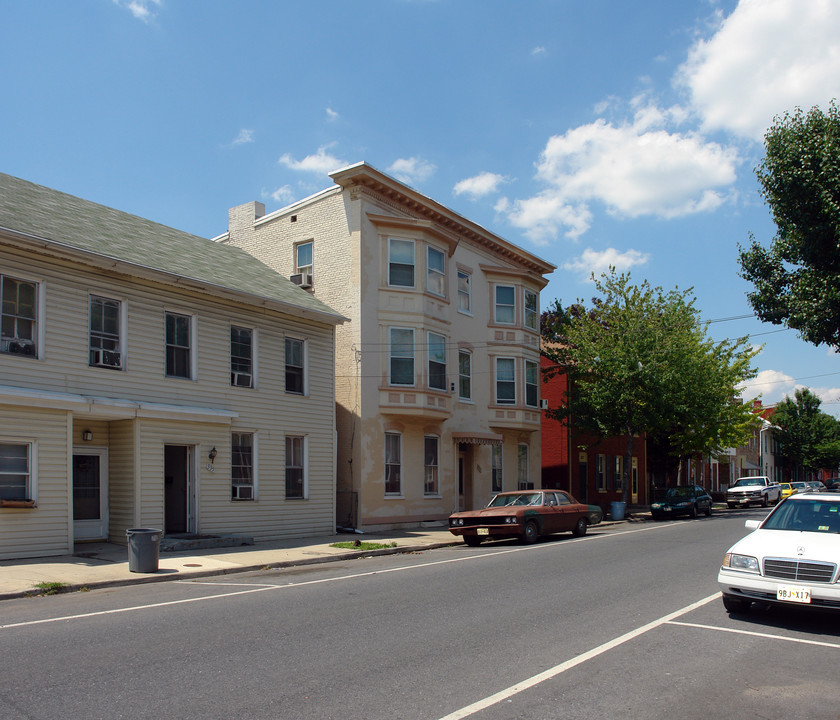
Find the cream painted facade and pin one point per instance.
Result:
(437, 371)
(92, 447)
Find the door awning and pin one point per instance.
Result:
(477, 438)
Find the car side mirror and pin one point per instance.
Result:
(752, 524)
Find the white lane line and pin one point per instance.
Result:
(574, 662)
(757, 634)
(262, 587)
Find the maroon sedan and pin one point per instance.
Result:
(526, 514)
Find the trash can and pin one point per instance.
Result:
(617, 510)
(143, 549)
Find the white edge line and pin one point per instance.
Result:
(574, 662)
(757, 634)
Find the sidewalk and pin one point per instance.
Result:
(97, 565)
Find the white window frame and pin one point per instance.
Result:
(38, 321)
(508, 307)
(238, 375)
(436, 344)
(531, 316)
(431, 488)
(435, 277)
(506, 381)
(236, 494)
(465, 292)
(498, 468)
(600, 473)
(391, 261)
(304, 374)
(31, 472)
(465, 377)
(303, 467)
(398, 464)
(191, 348)
(117, 339)
(392, 356)
(523, 469)
(305, 268)
(532, 388)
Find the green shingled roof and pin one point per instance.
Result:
(67, 220)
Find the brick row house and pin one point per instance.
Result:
(151, 378)
(437, 371)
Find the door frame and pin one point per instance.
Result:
(190, 489)
(92, 530)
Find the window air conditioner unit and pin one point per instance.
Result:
(543, 404)
(240, 379)
(105, 358)
(303, 280)
(16, 346)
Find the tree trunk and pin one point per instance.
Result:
(625, 471)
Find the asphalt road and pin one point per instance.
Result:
(624, 623)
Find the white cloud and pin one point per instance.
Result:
(283, 194)
(332, 115)
(412, 170)
(141, 9)
(245, 136)
(321, 162)
(598, 262)
(539, 50)
(766, 58)
(771, 385)
(479, 185)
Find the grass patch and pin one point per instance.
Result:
(361, 545)
(51, 588)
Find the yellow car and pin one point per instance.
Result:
(787, 490)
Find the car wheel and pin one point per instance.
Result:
(764, 501)
(532, 532)
(692, 511)
(472, 540)
(736, 605)
(709, 510)
(580, 528)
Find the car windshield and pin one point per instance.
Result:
(749, 481)
(805, 516)
(679, 492)
(516, 499)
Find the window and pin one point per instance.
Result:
(532, 387)
(437, 361)
(505, 304)
(242, 466)
(392, 464)
(241, 357)
(18, 309)
(431, 465)
(178, 345)
(402, 356)
(303, 258)
(600, 467)
(619, 466)
(531, 310)
(295, 485)
(294, 366)
(505, 381)
(104, 333)
(401, 263)
(16, 471)
(436, 271)
(498, 476)
(522, 468)
(464, 292)
(464, 375)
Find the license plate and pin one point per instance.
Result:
(482, 531)
(789, 593)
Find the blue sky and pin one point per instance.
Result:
(591, 132)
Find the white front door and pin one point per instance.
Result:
(90, 494)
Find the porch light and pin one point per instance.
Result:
(212, 455)
(87, 435)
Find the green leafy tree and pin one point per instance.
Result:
(808, 437)
(797, 280)
(639, 361)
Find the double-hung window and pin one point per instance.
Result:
(435, 271)
(303, 259)
(16, 471)
(294, 366)
(295, 476)
(401, 263)
(242, 466)
(498, 472)
(600, 473)
(505, 304)
(522, 468)
(431, 462)
(104, 333)
(18, 314)
(505, 381)
(178, 345)
(532, 387)
(402, 356)
(531, 310)
(464, 294)
(437, 361)
(392, 463)
(241, 357)
(464, 375)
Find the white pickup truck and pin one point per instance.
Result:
(756, 490)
